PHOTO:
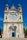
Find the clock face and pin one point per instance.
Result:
(13, 16)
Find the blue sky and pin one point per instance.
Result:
(15, 2)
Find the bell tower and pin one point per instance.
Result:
(20, 20)
(6, 11)
(20, 13)
(5, 22)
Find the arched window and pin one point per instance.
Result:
(19, 8)
(20, 17)
(6, 17)
(6, 8)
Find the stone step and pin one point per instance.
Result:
(13, 38)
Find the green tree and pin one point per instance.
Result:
(25, 32)
(1, 31)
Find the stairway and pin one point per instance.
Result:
(13, 38)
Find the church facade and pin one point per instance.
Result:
(13, 22)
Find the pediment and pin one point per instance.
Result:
(13, 7)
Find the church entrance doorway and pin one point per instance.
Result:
(13, 33)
